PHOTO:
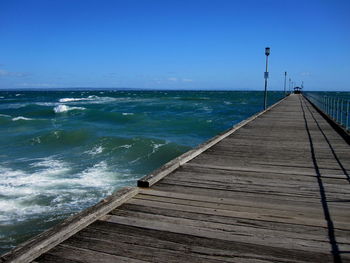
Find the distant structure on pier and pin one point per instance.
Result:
(297, 90)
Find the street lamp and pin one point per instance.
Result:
(285, 79)
(266, 75)
(290, 90)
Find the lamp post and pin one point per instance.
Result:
(285, 82)
(266, 75)
(290, 90)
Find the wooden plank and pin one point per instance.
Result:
(237, 203)
(66, 253)
(240, 250)
(243, 205)
(181, 226)
(259, 198)
(33, 248)
(186, 244)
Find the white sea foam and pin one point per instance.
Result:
(50, 104)
(126, 146)
(127, 113)
(93, 99)
(19, 118)
(95, 150)
(51, 180)
(4, 115)
(76, 99)
(64, 108)
(156, 146)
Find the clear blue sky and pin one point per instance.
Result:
(168, 44)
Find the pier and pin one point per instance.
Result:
(274, 188)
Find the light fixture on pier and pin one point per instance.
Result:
(266, 76)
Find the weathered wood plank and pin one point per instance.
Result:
(66, 253)
(180, 226)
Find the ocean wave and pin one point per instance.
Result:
(4, 115)
(21, 118)
(90, 99)
(64, 108)
(48, 104)
(95, 150)
(56, 139)
(51, 187)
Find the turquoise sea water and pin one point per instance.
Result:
(62, 151)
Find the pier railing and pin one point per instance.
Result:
(336, 108)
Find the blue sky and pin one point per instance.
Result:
(174, 44)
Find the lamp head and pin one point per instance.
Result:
(267, 51)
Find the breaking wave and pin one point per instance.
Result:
(21, 118)
(64, 108)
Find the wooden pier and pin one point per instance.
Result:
(275, 188)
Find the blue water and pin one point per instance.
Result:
(62, 151)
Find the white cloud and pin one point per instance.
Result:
(172, 79)
(39, 85)
(305, 74)
(187, 80)
(5, 73)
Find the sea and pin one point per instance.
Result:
(62, 151)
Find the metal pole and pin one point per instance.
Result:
(341, 112)
(285, 79)
(327, 107)
(266, 75)
(347, 115)
(337, 110)
(290, 90)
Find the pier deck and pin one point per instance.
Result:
(275, 190)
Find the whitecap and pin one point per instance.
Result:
(126, 146)
(50, 178)
(64, 108)
(21, 118)
(46, 103)
(73, 99)
(95, 150)
(4, 115)
(127, 113)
